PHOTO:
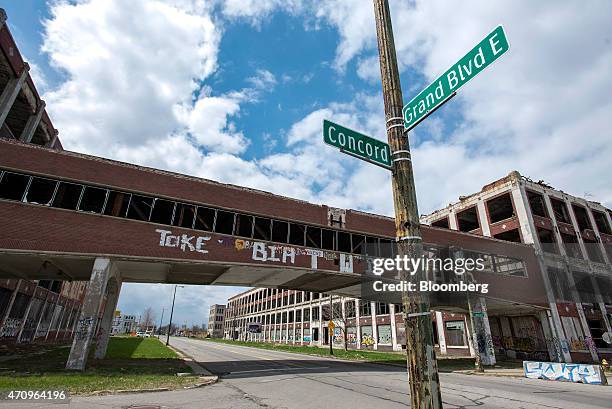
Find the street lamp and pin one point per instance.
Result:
(171, 313)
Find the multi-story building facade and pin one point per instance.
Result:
(123, 324)
(302, 318)
(572, 238)
(216, 316)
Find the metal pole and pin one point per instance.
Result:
(331, 319)
(161, 321)
(422, 365)
(171, 313)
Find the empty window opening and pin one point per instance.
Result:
(547, 240)
(13, 186)
(536, 202)
(359, 242)
(328, 239)
(500, 208)
(371, 247)
(296, 234)
(601, 222)
(262, 228)
(162, 211)
(572, 248)
(41, 191)
(313, 237)
(593, 250)
(225, 222)
(280, 231)
(244, 226)
(560, 210)
(183, 215)
(467, 220)
(344, 242)
(510, 235)
(93, 199)
(117, 203)
(387, 248)
(67, 196)
(140, 208)
(205, 219)
(582, 218)
(443, 223)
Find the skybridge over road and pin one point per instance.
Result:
(68, 216)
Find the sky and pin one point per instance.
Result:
(236, 91)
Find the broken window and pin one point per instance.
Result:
(467, 220)
(162, 211)
(582, 218)
(372, 246)
(601, 222)
(358, 244)
(593, 250)
(244, 226)
(225, 222)
(140, 208)
(572, 248)
(93, 199)
(328, 239)
(560, 210)
(13, 186)
(280, 231)
(183, 215)
(509, 235)
(547, 240)
(41, 191)
(296, 234)
(443, 223)
(67, 196)
(313, 237)
(344, 242)
(500, 208)
(117, 203)
(537, 204)
(205, 218)
(262, 228)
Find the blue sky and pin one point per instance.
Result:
(236, 91)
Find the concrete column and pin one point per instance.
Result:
(10, 304)
(470, 336)
(441, 333)
(25, 316)
(53, 317)
(103, 271)
(452, 220)
(553, 350)
(106, 325)
(28, 131)
(321, 340)
(523, 213)
(9, 95)
(394, 343)
(374, 326)
(570, 210)
(482, 331)
(357, 323)
(482, 218)
(557, 233)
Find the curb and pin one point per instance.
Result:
(205, 375)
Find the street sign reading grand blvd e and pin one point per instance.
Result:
(444, 87)
(356, 144)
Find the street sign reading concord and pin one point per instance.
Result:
(356, 144)
(444, 87)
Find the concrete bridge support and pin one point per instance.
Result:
(100, 300)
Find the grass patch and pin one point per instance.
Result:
(394, 358)
(131, 363)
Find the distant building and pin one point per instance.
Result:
(215, 320)
(123, 324)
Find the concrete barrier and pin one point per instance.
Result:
(554, 371)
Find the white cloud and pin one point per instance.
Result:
(264, 80)
(258, 10)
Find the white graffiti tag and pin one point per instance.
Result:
(182, 241)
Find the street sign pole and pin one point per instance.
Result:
(422, 365)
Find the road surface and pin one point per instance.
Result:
(256, 378)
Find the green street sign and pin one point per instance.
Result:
(478, 314)
(358, 145)
(445, 87)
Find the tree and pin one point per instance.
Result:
(338, 316)
(147, 319)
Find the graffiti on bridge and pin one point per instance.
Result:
(10, 328)
(84, 328)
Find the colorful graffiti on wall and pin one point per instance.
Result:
(552, 371)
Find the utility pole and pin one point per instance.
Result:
(422, 365)
(172, 313)
(161, 321)
(331, 319)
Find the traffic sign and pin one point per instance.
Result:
(445, 86)
(331, 325)
(478, 314)
(356, 144)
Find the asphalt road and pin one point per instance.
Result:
(255, 378)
